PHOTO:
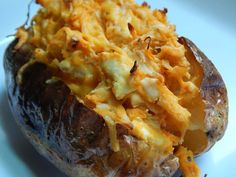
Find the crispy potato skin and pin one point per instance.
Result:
(50, 114)
(214, 94)
(70, 135)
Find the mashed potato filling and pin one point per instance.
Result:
(122, 60)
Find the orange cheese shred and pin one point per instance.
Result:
(187, 164)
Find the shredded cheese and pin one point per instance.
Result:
(22, 35)
(187, 164)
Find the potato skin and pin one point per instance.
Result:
(214, 94)
(50, 114)
(70, 135)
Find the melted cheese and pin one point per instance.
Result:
(187, 165)
(117, 58)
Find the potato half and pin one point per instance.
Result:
(98, 94)
(75, 138)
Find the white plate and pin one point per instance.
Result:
(210, 24)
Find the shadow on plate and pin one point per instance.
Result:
(22, 148)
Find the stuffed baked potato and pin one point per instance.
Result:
(106, 88)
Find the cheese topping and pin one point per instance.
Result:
(121, 59)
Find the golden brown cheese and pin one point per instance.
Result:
(187, 164)
(121, 59)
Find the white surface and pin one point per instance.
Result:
(210, 24)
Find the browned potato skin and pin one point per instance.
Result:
(214, 94)
(70, 135)
(75, 138)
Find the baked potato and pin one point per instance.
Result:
(107, 88)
